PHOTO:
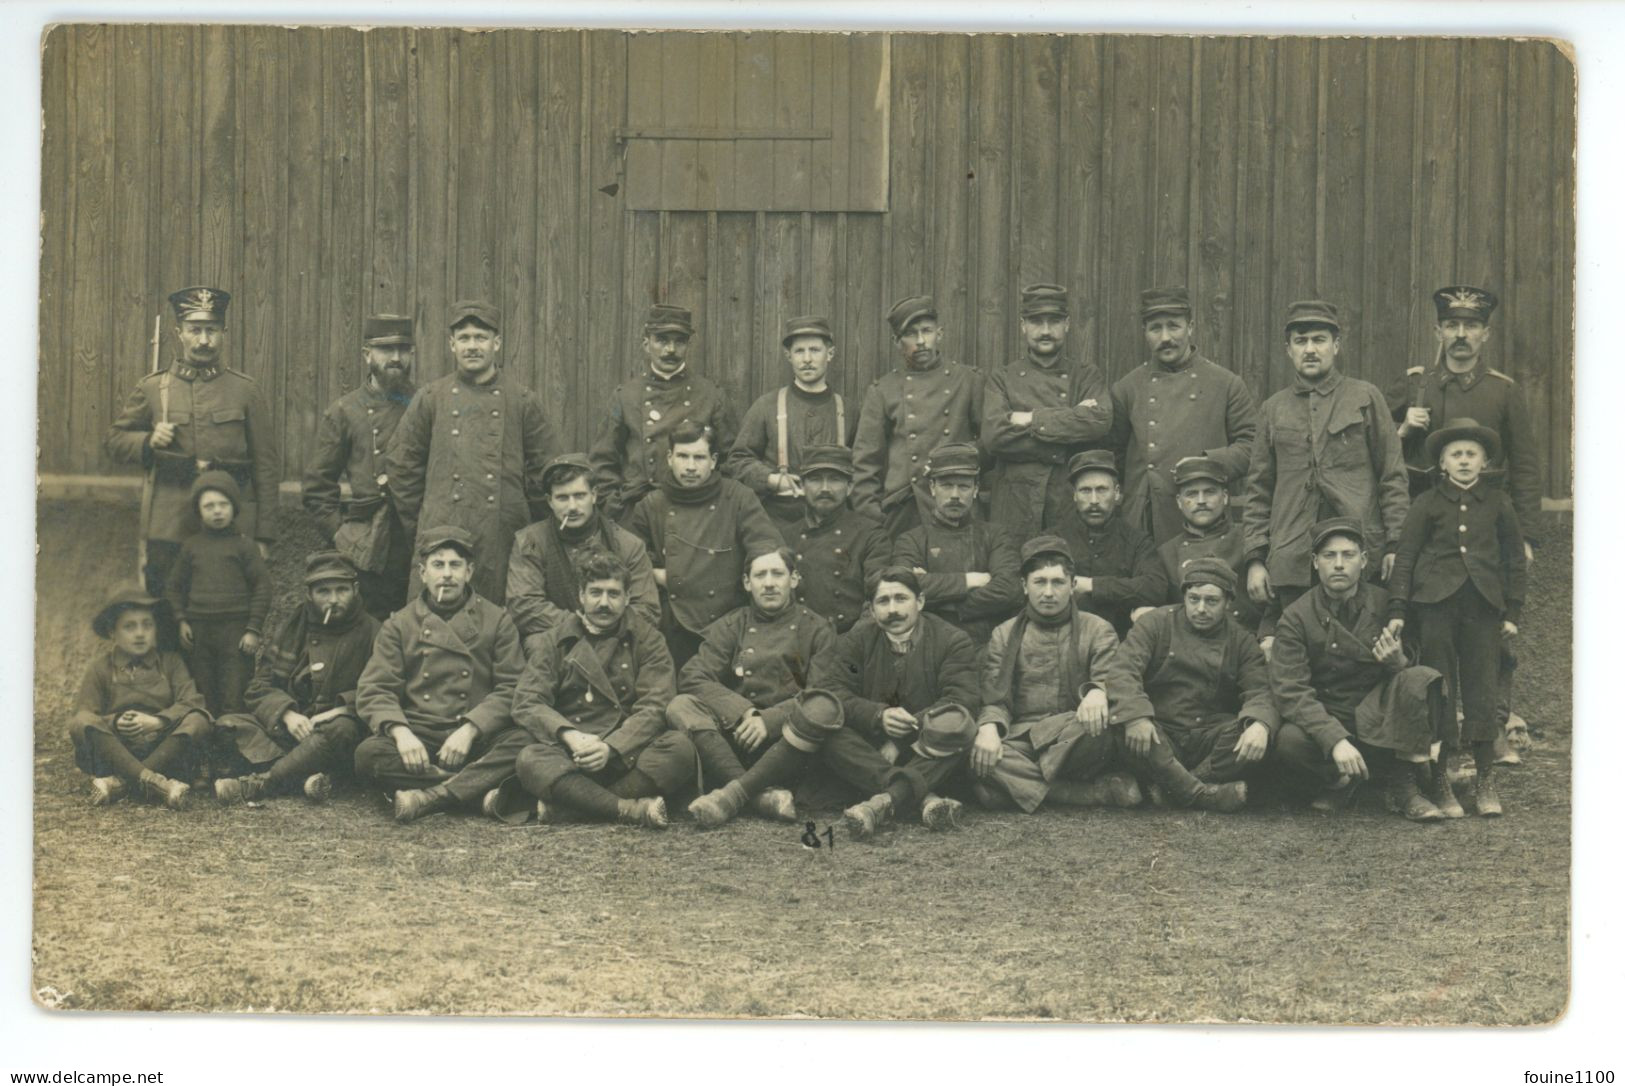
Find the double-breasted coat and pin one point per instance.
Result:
(616, 690)
(628, 453)
(752, 660)
(351, 442)
(907, 413)
(836, 558)
(1072, 411)
(862, 670)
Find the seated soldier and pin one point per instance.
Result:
(1117, 563)
(541, 570)
(301, 723)
(1352, 707)
(439, 685)
(1042, 734)
(1209, 532)
(592, 706)
(739, 691)
(836, 548)
(967, 567)
(889, 674)
(138, 722)
(1189, 687)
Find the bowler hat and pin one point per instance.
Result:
(1164, 300)
(814, 717)
(471, 308)
(446, 535)
(1092, 460)
(1191, 468)
(1044, 299)
(668, 318)
(1325, 529)
(826, 458)
(806, 326)
(200, 303)
(1462, 430)
(1214, 571)
(124, 598)
(953, 458)
(1474, 303)
(328, 566)
(1313, 312)
(387, 329)
(945, 730)
(909, 310)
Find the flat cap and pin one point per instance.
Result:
(387, 329)
(474, 309)
(1092, 460)
(814, 717)
(1214, 571)
(953, 458)
(1474, 303)
(1191, 468)
(909, 310)
(328, 566)
(806, 326)
(827, 458)
(1325, 529)
(446, 535)
(1041, 299)
(200, 304)
(1164, 300)
(1048, 543)
(562, 461)
(122, 599)
(945, 730)
(1313, 312)
(668, 318)
(1462, 430)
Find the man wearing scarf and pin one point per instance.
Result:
(1209, 532)
(592, 706)
(1116, 562)
(837, 549)
(350, 442)
(1042, 732)
(968, 568)
(739, 692)
(698, 527)
(439, 685)
(542, 587)
(1190, 691)
(644, 410)
(301, 726)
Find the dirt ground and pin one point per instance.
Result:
(1096, 916)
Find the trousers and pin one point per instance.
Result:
(490, 762)
(220, 670)
(1460, 637)
(668, 760)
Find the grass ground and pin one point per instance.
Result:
(1096, 916)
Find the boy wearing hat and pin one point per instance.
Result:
(1208, 532)
(1039, 412)
(1041, 735)
(196, 415)
(967, 567)
(1189, 687)
(836, 548)
(739, 693)
(1177, 404)
(629, 450)
(1116, 562)
(889, 675)
(592, 706)
(470, 449)
(220, 592)
(909, 412)
(301, 725)
(1460, 572)
(769, 453)
(437, 691)
(1352, 706)
(542, 586)
(351, 438)
(138, 723)
(1324, 449)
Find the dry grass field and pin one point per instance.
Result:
(1099, 916)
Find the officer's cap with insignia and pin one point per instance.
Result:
(806, 326)
(668, 318)
(909, 310)
(837, 458)
(954, 458)
(1092, 460)
(1173, 301)
(447, 535)
(483, 312)
(200, 304)
(387, 330)
(1191, 468)
(1473, 303)
(1044, 300)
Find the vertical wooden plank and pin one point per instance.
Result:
(869, 118)
(993, 310)
(781, 259)
(754, 93)
(1039, 137)
(1256, 343)
(792, 108)
(714, 159)
(478, 175)
(563, 374)
(1126, 268)
(820, 285)
(129, 353)
(1342, 181)
(1438, 116)
(1172, 160)
(265, 144)
(733, 347)
(302, 271)
(683, 256)
(87, 313)
(862, 347)
(610, 342)
(1481, 195)
(680, 107)
(842, 99)
(217, 140)
(1294, 170)
(177, 225)
(1214, 228)
(1082, 200)
(343, 266)
(1560, 373)
(949, 270)
(821, 72)
(55, 247)
(431, 214)
(906, 268)
(1391, 295)
(389, 163)
(517, 197)
(645, 109)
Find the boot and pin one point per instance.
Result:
(776, 804)
(1107, 790)
(412, 804)
(1405, 797)
(1486, 800)
(1444, 796)
(318, 788)
(719, 805)
(650, 812)
(229, 790)
(863, 819)
(1223, 798)
(172, 794)
(106, 790)
(938, 813)
(1337, 797)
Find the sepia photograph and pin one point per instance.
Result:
(847, 523)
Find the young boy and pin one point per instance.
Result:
(1461, 568)
(138, 720)
(219, 590)
(301, 723)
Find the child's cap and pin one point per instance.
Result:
(221, 481)
(124, 598)
(1463, 430)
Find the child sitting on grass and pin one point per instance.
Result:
(139, 720)
(1460, 571)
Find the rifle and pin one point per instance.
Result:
(147, 480)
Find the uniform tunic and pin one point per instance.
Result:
(221, 421)
(836, 558)
(529, 600)
(1121, 561)
(471, 455)
(629, 452)
(947, 552)
(1490, 398)
(1322, 450)
(1160, 416)
(809, 420)
(906, 414)
(752, 660)
(351, 441)
(1188, 680)
(1223, 539)
(157, 683)
(1072, 411)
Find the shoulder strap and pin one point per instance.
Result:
(784, 427)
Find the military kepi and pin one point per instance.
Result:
(909, 310)
(1092, 460)
(954, 458)
(1191, 468)
(1473, 303)
(826, 458)
(1313, 312)
(446, 535)
(945, 730)
(806, 326)
(1044, 300)
(668, 318)
(814, 717)
(387, 330)
(200, 304)
(1159, 300)
(328, 566)
(477, 310)
(1325, 529)
(1045, 544)
(559, 463)
(1214, 571)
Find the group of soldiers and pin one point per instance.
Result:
(1013, 588)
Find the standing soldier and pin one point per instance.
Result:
(1039, 413)
(1178, 404)
(632, 441)
(837, 548)
(350, 444)
(906, 414)
(470, 449)
(771, 448)
(195, 416)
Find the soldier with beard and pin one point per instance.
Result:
(350, 442)
(838, 549)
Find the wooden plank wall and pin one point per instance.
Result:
(320, 174)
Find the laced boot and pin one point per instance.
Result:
(1444, 796)
(1486, 800)
(1405, 796)
(939, 813)
(229, 790)
(863, 819)
(776, 804)
(412, 804)
(318, 788)
(1225, 798)
(107, 790)
(719, 805)
(649, 812)
(171, 793)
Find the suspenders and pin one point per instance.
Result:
(784, 425)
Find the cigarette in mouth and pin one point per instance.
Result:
(327, 615)
(440, 594)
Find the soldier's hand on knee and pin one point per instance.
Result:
(454, 751)
(1255, 741)
(752, 730)
(1346, 756)
(1141, 736)
(414, 755)
(984, 753)
(1092, 712)
(297, 723)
